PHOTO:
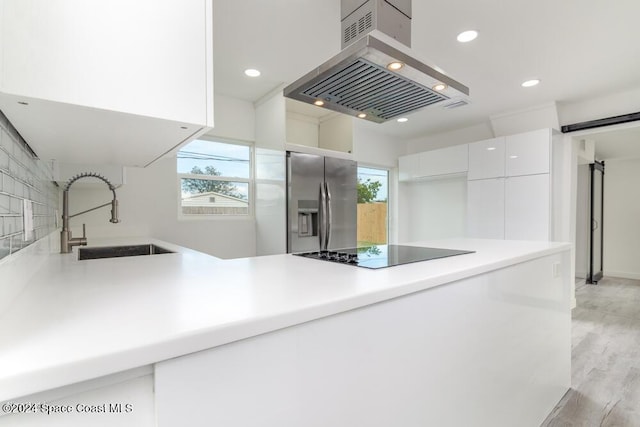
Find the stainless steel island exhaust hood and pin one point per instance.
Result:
(376, 77)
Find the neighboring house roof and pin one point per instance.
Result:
(214, 199)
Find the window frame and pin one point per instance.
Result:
(250, 215)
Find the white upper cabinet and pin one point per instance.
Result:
(528, 153)
(445, 161)
(436, 163)
(121, 66)
(487, 159)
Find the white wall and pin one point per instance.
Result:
(529, 119)
(609, 105)
(234, 119)
(336, 133)
(373, 148)
(302, 130)
(434, 209)
(465, 135)
(149, 200)
(622, 218)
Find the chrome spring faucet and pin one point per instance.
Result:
(67, 241)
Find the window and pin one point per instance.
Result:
(215, 178)
(373, 190)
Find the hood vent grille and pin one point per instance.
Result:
(362, 86)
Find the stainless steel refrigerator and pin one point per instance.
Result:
(321, 202)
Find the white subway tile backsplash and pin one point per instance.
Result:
(19, 223)
(13, 167)
(16, 206)
(5, 141)
(4, 160)
(23, 177)
(5, 204)
(8, 183)
(5, 245)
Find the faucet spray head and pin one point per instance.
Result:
(114, 212)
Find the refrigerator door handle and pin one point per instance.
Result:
(323, 217)
(329, 215)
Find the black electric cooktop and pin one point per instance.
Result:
(380, 256)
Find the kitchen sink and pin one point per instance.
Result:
(121, 251)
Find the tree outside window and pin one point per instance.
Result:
(214, 178)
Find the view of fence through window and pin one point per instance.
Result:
(214, 178)
(373, 194)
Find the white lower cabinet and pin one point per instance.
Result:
(527, 207)
(409, 361)
(485, 208)
(104, 402)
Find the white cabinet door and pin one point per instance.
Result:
(527, 207)
(486, 159)
(116, 82)
(485, 208)
(102, 402)
(528, 153)
(150, 58)
(444, 161)
(408, 167)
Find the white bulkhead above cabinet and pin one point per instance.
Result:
(444, 162)
(115, 82)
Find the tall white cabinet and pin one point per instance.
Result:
(485, 208)
(509, 187)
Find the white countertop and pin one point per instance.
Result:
(78, 320)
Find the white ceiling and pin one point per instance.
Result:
(617, 144)
(580, 49)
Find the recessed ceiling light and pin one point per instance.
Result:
(467, 36)
(318, 102)
(439, 87)
(251, 72)
(491, 148)
(530, 83)
(395, 66)
(362, 115)
(513, 157)
(403, 119)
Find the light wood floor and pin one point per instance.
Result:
(605, 358)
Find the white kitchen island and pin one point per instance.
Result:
(188, 339)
